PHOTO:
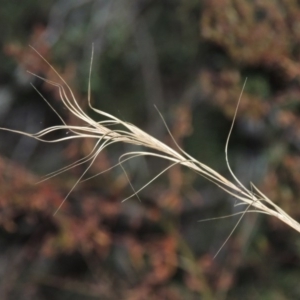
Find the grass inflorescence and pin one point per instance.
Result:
(106, 133)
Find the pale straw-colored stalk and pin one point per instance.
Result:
(105, 134)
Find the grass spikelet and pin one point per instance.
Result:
(105, 135)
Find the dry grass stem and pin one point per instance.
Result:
(105, 135)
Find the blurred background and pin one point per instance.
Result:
(189, 59)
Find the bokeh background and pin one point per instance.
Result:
(189, 59)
